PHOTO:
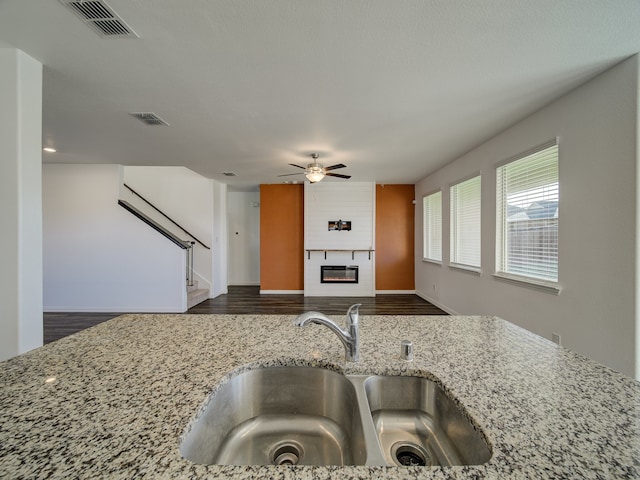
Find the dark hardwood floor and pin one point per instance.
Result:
(242, 299)
(59, 325)
(248, 300)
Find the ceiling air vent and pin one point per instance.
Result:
(229, 174)
(149, 118)
(100, 17)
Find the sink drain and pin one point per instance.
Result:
(286, 454)
(410, 455)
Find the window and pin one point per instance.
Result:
(465, 224)
(432, 226)
(527, 217)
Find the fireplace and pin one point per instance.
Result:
(338, 274)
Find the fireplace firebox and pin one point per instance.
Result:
(338, 274)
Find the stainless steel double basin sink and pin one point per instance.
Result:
(315, 416)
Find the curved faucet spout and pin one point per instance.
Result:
(321, 319)
(348, 337)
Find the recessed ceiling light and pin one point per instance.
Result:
(49, 149)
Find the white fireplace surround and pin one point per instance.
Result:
(348, 201)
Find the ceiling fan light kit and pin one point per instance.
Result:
(315, 172)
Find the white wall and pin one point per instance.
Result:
(329, 201)
(220, 244)
(637, 231)
(20, 203)
(595, 310)
(243, 216)
(187, 198)
(97, 256)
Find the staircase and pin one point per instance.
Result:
(196, 295)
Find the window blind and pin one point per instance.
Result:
(465, 223)
(527, 214)
(432, 226)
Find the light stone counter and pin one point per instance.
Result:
(124, 391)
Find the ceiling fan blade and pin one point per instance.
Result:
(337, 175)
(289, 174)
(333, 167)
(294, 165)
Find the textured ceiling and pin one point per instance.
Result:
(392, 88)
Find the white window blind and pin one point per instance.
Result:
(432, 226)
(527, 216)
(465, 223)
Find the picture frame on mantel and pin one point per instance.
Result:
(339, 225)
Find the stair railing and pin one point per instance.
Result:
(165, 216)
(190, 264)
(186, 245)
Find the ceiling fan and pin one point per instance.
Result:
(315, 171)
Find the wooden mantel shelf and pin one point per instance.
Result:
(352, 250)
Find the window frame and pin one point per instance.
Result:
(426, 233)
(501, 273)
(455, 230)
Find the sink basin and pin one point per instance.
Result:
(281, 416)
(418, 424)
(314, 416)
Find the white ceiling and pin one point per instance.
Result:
(393, 88)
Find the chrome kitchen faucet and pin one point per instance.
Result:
(348, 337)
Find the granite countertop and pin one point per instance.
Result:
(113, 401)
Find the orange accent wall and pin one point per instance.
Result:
(395, 237)
(282, 237)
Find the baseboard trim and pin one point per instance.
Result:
(217, 294)
(395, 292)
(108, 310)
(436, 303)
(281, 292)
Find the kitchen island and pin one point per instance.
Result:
(114, 400)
